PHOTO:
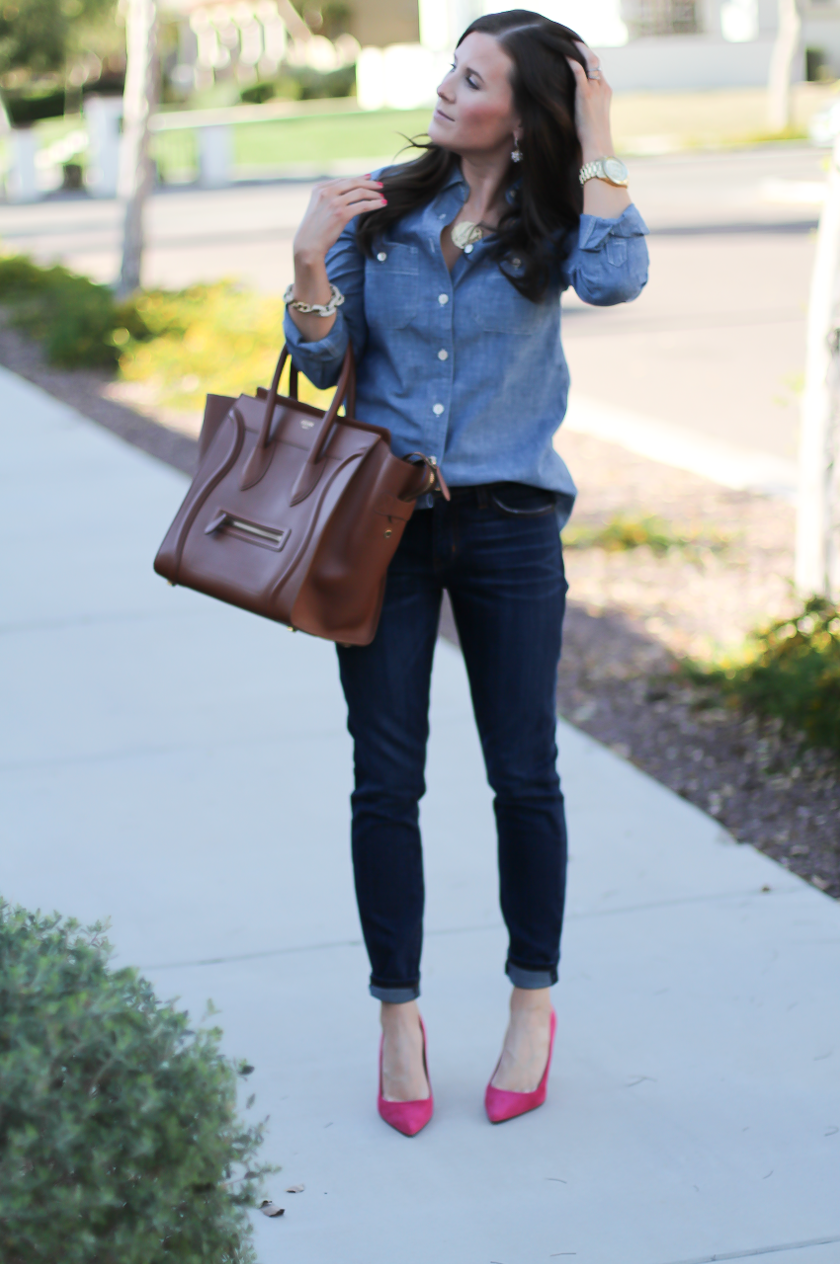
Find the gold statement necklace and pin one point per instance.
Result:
(466, 233)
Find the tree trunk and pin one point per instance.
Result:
(818, 516)
(139, 100)
(781, 64)
(295, 24)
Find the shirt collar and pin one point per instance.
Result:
(455, 178)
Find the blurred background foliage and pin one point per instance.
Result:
(790, 670)
(220, 338)
(52, 51)
(302, 83)
(72, 316)
(623, 533)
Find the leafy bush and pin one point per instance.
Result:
(179, 344)
(40, 37)
(70, 314)
(221, 338)
(302, 83)
(622, 533)
(119, 1141)
(30, 106)
(792, 672)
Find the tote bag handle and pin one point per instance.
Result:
(312, 469)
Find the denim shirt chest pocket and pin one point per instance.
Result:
(498, 308)
(392, 285)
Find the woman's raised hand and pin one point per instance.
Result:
(592, 106)
(592, 119)
(330, 210)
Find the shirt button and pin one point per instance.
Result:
(443, 354)
(517, 263)
(468, 249)
(438, 409)
(443, 299)
(382, 256)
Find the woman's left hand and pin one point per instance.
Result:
(592, 106)
(592, 119)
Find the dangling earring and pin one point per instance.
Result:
(516, 152)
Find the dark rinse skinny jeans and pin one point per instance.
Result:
(504, 574)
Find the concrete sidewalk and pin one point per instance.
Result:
(183, 769)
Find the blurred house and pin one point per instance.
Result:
(653, 44)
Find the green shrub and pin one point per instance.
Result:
(221, 338)
(179, 344)
(27, 106)
(623, 533)
(119, 1140)
(792, 671)
(302, 83)
(73, 317)
(261, 91)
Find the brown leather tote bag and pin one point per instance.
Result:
(295, 514)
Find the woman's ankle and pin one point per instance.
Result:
(526, 1002)
(404, 1076)
(398, 1016)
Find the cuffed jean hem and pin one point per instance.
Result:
(530, 978)
(396, 996)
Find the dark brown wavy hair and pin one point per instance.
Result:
(547, 199)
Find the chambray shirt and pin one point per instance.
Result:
(459, 365)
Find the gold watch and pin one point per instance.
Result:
(609, 168)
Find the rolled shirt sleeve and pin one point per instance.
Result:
(609, 262)
(321, 361)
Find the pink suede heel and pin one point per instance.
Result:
(501, 1104)
(407, 1117)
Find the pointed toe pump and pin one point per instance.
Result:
(501, 1104)
(407, 1117)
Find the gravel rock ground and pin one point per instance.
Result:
(632, 614)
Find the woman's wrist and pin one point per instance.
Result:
(311, 283)
(309, 260)
(593, 148)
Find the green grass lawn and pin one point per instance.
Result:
(325, 140)
(319, 140)
(642, 122)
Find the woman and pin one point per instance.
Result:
(445, 273)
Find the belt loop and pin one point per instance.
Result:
(482, 498)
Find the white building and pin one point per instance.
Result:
(664, 44)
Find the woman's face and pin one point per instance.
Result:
(475, 111)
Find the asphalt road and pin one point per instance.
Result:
(716, 343)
